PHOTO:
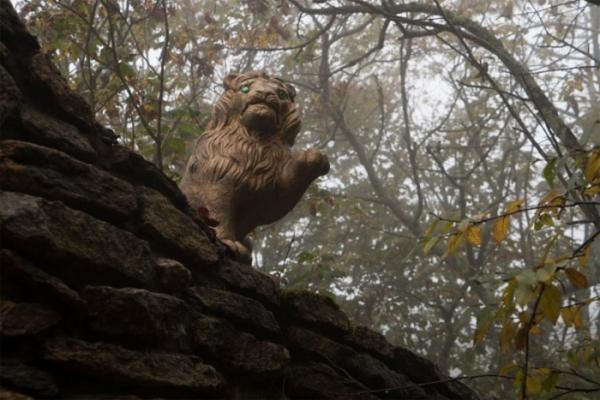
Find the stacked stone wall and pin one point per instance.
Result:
(112, 287)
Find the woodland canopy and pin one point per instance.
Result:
(462, 213)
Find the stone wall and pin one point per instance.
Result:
(112, 288)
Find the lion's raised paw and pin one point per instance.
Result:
(317, 161)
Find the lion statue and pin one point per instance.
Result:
(243, 170)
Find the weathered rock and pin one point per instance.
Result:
(40, 171)
(25, 319)
(246, 280)
(28, 379)
(239, 308)
(139, 315)
(368, 370)
(171, 275)
(171, 230)
(371, 341)
(49, 131)
(13, 31)
(20, 279)
(133, 369)
(237, 350)
(319, 381)
(315, 309)
(45, 75)
(135, 169)
(421, 370)
(73, 245)
(10, 95)
(7, 394)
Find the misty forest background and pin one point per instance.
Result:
(461, 209)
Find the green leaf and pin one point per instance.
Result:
(484, 321)
(549, 172)
(551, 381)
(430, 244)
(127, 70)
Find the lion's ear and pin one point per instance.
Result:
(228, 81)
(291, 90)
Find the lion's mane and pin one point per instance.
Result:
(228, 151)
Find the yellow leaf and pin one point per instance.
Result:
(523, 294)
(507, 335)
(578, 320)
(583, 258)
(473, 235)
(576, 278)
(550, 302)
(543, 371)
(501, 229)
(568, 315)
(431, 228)
(535, 330)
(592, 167)
(534, 386)
(514, 205)
(507, 368)
(509, 292)
(549, 197)
(453, 242)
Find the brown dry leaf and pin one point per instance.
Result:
(521, 338)
(576, 278)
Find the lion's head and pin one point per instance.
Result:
(261, 104)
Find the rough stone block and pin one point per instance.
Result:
(25, 319)
(172, 276)
(10, 95)
(371, 341)
(28, 379)
(138, 314)
(171, 230)
(238, 351)
(319, 381)
(46, 130)
(72, 245)
(133, 369)
(368, 370)
(45, 75)
(135, 169)
(421, 370)
(246, 280)
(315, 309)
(21, 280)
(239, 308)
(40, 171)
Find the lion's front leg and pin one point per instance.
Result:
(300, 171)
(305, 166)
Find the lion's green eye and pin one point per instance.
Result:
(245, 88)
(282, 94)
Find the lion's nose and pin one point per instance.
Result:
(265, 93)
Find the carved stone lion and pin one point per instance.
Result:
(243, 170)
